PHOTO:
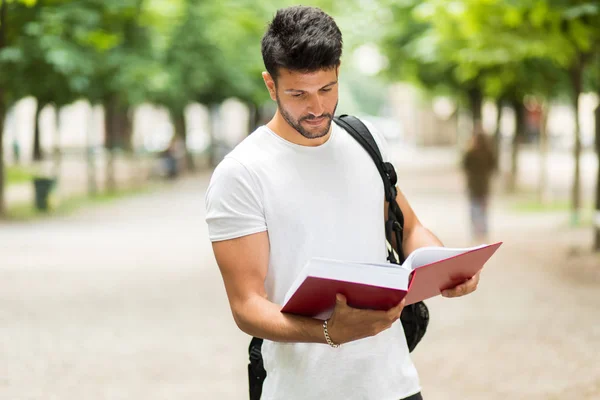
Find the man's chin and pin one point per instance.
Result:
(317, 132)
(313, 135)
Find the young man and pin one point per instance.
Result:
(302, 187)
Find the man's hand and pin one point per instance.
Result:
(348, 324)
(464, 288)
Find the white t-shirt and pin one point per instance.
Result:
(323, 201)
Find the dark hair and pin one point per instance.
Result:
(301, 39)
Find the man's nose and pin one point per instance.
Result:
(316, 106)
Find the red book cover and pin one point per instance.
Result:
(424, 274)
(432, 278)
(317, 295)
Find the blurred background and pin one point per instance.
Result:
(113, 114)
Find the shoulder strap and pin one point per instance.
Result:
(360, 131)
(395, 222)
(357, 129)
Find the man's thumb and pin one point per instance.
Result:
(340, 299)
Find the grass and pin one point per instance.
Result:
(529, 205)
(16, 174)
(66, 206)
(534, 206)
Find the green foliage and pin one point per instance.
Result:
(174, 52)
(506, 48)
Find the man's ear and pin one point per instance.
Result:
(270, 82)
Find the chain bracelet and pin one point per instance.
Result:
(327, 338)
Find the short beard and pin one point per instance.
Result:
(297, 125)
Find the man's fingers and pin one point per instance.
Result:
(400, 306)
(462, 289)
(455, 292)
(394, 313)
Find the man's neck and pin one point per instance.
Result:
(280, 126)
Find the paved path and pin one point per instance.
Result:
(125, 301)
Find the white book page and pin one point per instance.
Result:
(384, 275)
(428, 255)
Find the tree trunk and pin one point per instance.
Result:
(3, 19)
(125, 126)
(2, 119)
(180, 125)
(215, 146)
(111, 126)
(597, 214)
(543, 148)
(57, 149)
(253, 117)
(498, 132)
(516, 144)
(475, 104)
(576, 82)
(37, 147)
(91, 162)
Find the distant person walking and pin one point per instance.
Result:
(479, 164)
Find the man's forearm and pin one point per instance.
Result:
(259, 317)
(418, 237)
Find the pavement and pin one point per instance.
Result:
(125, 301)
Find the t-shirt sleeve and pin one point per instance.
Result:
(233, 203)
(379, 139)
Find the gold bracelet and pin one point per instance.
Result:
(327, 338)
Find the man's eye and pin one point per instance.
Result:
(326, 90)
(298, 95)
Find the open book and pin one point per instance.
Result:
(425, 273)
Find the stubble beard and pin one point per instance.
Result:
(297, 125)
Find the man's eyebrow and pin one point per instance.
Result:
(330, 84)
(299, 90)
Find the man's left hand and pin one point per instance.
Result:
(464, 288)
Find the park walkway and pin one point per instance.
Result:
(125, 301)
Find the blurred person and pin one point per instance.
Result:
(300, 187)
(173, 157)
(533, 119)
(16, 149)
(479, 164)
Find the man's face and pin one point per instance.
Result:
(307, 101)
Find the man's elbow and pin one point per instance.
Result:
(243, 317)
(240, 319)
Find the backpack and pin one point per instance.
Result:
(414, 317)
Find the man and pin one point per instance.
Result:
(301, 187)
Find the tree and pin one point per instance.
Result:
(192, 62)
(18, 11)
(118, 40)
(3, 34)
(51, 64)
(592, 81)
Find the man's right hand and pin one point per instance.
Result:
(348, 324)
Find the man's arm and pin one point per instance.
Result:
(244, 262)
(416, 235)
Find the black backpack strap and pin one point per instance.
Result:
(256, 369)
(361, 133)
(395, 223)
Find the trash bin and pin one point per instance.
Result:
(43, 187)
